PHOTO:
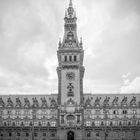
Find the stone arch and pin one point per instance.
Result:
(70, 135)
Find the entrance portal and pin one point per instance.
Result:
(70, 135)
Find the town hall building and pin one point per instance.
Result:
(71, 114)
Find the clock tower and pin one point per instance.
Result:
(70, 58)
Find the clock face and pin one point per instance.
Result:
(70, 75)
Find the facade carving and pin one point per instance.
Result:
(70, 114)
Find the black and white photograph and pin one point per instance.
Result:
(69, 69)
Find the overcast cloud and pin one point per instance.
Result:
(29, 34)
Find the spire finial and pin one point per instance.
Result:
(66, 13)
(70, 4)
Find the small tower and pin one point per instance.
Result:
(70, 58)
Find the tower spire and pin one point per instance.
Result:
(70, 4)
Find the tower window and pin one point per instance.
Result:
(65, 59)
(75, 58)
(70, 58)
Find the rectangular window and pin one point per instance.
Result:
(75, 58)
(35, 134)
(78, 118)
(44, 134)
(27, 134)
(65, 59)
(10, 134)
(70, 58)
(52, 134)
(62, 119)
(18, 134)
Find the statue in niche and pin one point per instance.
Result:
(115, 101)
(9, 102)
(35, 102)
(18, 102)
(2, 104)
(44, 102)
(27, 103)
(133, 101)
(97, 102)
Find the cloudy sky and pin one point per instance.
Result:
(29, 34)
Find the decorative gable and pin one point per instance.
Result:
(2, 104)
(9, 102)
(18, 103)
(27, 103)
(97, 102)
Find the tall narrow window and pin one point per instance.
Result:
(35, 134)
(78, 118)
(75, 58)
(65, 58)
(62, 119)
(70, 58)
(27, 134)
(18, 134)
(10, 134)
